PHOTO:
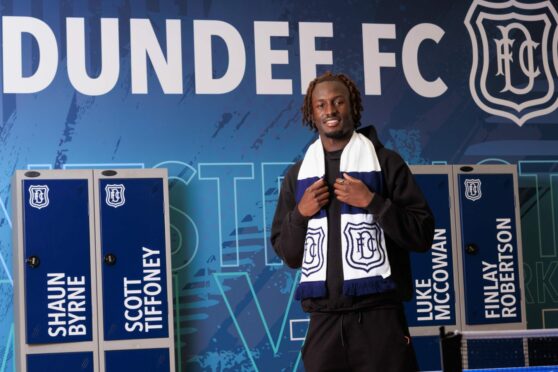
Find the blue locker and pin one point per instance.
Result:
(427, 350)
(489, 249)
(56, 261)
(434, 302)
(134, 279)
(147, 360)
(55, 295)
(57, 362)
(91, 271)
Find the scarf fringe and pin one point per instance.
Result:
(366, 286)
(310, 290)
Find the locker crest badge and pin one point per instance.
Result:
(38, 196)
(473, 189)
(115, 195)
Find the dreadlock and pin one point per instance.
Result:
(354, 96)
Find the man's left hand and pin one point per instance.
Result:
(352, 191)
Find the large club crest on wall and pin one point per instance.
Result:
(515, 58)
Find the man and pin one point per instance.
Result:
(348, 214)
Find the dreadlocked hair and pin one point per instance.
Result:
(354, 96)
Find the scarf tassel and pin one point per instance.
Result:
(310, 290)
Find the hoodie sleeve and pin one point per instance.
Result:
(288, 230)
(402, 211)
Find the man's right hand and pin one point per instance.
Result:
(314, 198)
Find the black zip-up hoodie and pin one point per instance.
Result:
(400, 210)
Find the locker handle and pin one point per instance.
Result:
(32, 174)
(471, 248)
(110, 259)
(33, 261)
(109, 173)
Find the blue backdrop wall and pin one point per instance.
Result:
(212, 91)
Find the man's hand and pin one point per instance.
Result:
(314, 198)
(352, 191)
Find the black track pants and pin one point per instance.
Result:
(368, 341)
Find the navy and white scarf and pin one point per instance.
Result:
(366, 267)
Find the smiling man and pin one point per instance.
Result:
(348, 215)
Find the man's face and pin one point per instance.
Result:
(331, 110)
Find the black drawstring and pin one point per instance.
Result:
(343, 318)
(342, 337)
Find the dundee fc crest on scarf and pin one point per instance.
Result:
(515, 57)
(313, 251)
(364, 242)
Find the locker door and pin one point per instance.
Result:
(133, 254)
(56, 260)
(71, 362)
(434, 277)
(490, 246)
(141, 360)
